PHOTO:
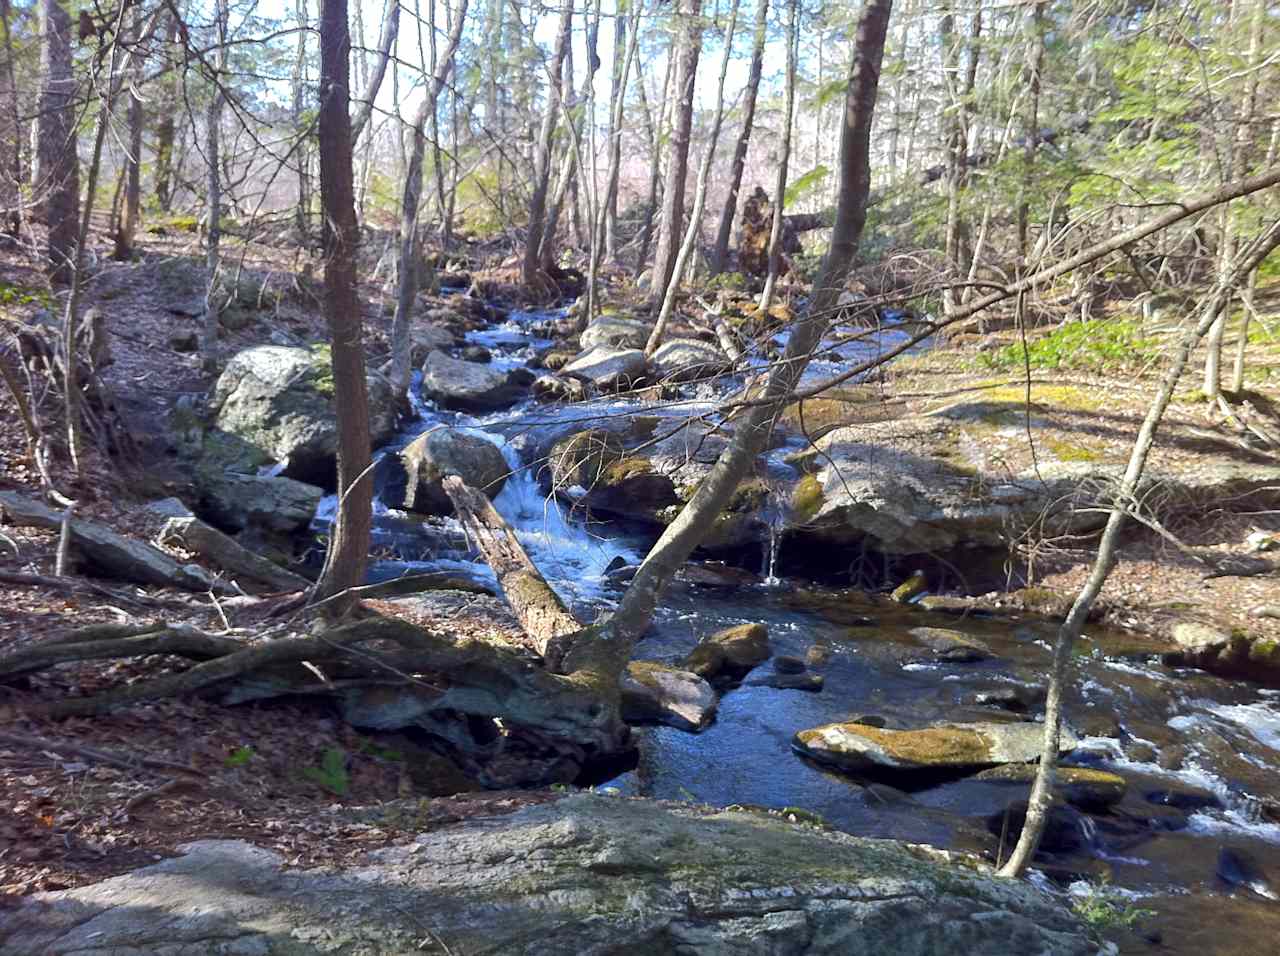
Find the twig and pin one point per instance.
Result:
(61, 746)
(167, 787)
(64, 542)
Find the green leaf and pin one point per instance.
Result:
(806, 184)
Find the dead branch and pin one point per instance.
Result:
(126, 762)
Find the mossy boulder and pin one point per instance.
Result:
(1234, 653)
(659, 693)
(441, 452)
(1083, 787)
(580, 461)
(730, 654)
(276, 404)
(945, 748)
(951, 645)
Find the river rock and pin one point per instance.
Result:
(784, 664)
(553, 388)
(657, 693)
(950, 645)
(615, 332)
(275, 404)
(441, 452)
(947, 748)
(1083, 787)
(427, 337)
(731, 653)
(576, 464)
(236, 502)
(609, 369)
(1225, 653)
(682, 360)
(812, 683)
(585, 874)
(1018, 698)
(1066, 829)
(466, 385)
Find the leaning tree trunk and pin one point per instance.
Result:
(689, 47)
(597, 655)
(57, 165)
(720, 256)
(1041, 800)
(780, 185)
(349, 540)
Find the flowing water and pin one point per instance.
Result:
(1196, 838)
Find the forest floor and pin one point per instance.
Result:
(72, 817)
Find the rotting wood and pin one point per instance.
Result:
(539, 609)
(207, 541)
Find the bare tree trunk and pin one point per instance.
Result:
(57, 165)
(700, 192)
(617, 94)
(598, 655)
(410, 252)
(653, 126)
(133, 168)
(1041, 800)
(214, 297)
(720, 256)
(780, 183)
(169, 101)
(532, 272)
(349, 540)
(1031, 129)
(302, 212)
(387, 40)
(12, 131)
(960, 93)
(689, 47)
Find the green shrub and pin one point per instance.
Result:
(1097, 344)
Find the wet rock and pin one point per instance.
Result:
(1083, 787)
(731, 653)
(1225, 653)
(682, 360)
(951, 646)
(658, 693)
(1188, 801)
(552, 388)
(275, 404)
(1066, 829)
(632, 488)
(811, 683)
(1012, 697)
(788, 665)
(945, 748)
(576, 464)
(426, 337)
(583, 874)
(911, 588)
(1237, 868)
(466, 385)
(185, 341)
(441, 452)
(476, 353)
(235, 502)
(609, 369)
(818, 655)
(716, 574)
(556, 360)
(615, 332)
(870, 720)
(1096, 723)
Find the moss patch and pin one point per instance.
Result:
(1065, 450)
(806, 499)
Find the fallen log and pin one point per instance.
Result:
(207, 541)
(111, 554)
(539, 609)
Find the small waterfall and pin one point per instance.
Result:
(769, 572)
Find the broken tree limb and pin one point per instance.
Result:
(178, 640)
(111, 554)
(207, 541)
(539, 609)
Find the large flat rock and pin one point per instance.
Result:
(587, 874)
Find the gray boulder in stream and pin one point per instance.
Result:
(609, 369)
(681, 360)
(945, 748)
(431, 457)
(586, 874)
(274, 403)
(466, 385)
(615, 332)
(657, 693)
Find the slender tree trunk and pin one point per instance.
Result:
(57, 165)
(1031, 128)
(349, 540)
(653, 127)
(599, 654)
(386, 41)
(688, 49)
(302, 212)
(1041, 800)
(12, 135)
(410, 252)
(699, 194)
(214, 297)
(532, 272)
(617, 94)
(960, 92)
(780, 183)
(720, 255)
(169, 104)
(133, 167)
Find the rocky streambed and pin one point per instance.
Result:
(1175, 795)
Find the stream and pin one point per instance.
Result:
(1196, 838)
